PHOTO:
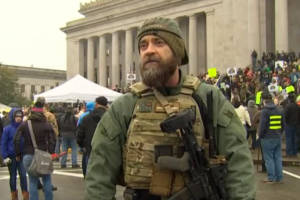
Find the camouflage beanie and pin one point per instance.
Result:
(169, 31)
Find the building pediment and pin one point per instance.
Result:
(109, 11)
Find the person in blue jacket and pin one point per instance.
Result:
(9, 155)
(89, 107)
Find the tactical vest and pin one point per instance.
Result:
(144, 131)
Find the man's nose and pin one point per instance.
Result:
(150, 49)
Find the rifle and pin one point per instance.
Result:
(206, 181)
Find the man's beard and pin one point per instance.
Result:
(157, 74)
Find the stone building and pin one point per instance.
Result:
(32, 80)
(101, 46)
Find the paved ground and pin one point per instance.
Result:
(71, 185)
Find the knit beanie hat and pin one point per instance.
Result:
(169, 31)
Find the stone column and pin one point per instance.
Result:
(253, 27)
(281, 25)
(27, 90)
(115, 77)
(102, 74)
(192, 45)
(210, 24)
(81, 58)
(128, 52)
(90, 60)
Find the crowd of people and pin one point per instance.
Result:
(57, 128)
(266, 98)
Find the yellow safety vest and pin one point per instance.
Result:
(290, 89)
(258, 97)
(275, 122)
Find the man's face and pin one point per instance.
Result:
(158, 62)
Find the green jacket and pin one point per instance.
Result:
(105, 162)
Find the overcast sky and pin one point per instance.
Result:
(30, 31)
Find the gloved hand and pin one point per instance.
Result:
(7, 161)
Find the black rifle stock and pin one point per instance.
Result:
(201, 185)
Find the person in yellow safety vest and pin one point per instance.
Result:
(270, 130)
(287, 90)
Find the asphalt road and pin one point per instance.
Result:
(71, 185)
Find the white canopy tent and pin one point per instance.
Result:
(77, 88)
(4, 107)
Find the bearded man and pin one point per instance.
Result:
(128, 141)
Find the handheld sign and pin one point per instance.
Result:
(131, 77)
(231, 71)
(212, 72)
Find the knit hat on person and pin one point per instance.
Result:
(169, 31)
(101, 100)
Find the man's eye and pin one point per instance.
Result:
(143, 46)
(159, 42)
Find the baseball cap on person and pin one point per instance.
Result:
(169, 31)
(101, 100)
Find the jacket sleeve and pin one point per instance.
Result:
(51, 139)
(232, 143)
(247, 118)
(283, 122)
(263, 124)
(4, 140)
(105, 162)
(81, 131)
